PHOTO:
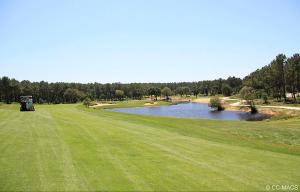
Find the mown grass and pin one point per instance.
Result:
(70, 147)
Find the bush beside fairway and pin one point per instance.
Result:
(70, 147)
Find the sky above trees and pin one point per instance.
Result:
(143, 41)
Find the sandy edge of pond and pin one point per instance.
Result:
(205, 100)
(268, 110)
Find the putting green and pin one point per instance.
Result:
(69, 147)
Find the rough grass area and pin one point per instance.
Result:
(70, 147)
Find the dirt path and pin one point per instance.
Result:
(239, 104)
(206, 99)
(229, 99)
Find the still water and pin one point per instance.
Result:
(191, 110)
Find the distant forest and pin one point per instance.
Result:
(281, 76)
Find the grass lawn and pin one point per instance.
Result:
(70, 147)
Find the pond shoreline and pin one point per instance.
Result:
(191, 110)
(271, 111)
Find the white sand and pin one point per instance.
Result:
(148, 104)
(101, 104)
(202, 100)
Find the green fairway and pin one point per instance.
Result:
(70, 147)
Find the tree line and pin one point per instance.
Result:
(60, 92)
(276, 79)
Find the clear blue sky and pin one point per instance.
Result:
(143, 40)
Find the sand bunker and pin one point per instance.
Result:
(149, 104)
(101, 105)
(202, 100)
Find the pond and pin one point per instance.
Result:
(191, 110)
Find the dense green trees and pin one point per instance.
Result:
(44, 92)
(281, 76)
(183, 91)
(226, 90)
(292, 70)
(154, 91)
(186, 91)
(6, 89)
(167, 92)
(179, 91)
(195, 89)
(73, 95)
(119, 94)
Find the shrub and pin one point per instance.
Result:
(264, 97)
(87, 102)
(248, 94)
(166, 92)
(73, 95)
(216, 104)
(119, 94)
(253, 109)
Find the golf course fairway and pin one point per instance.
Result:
(73, 148)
